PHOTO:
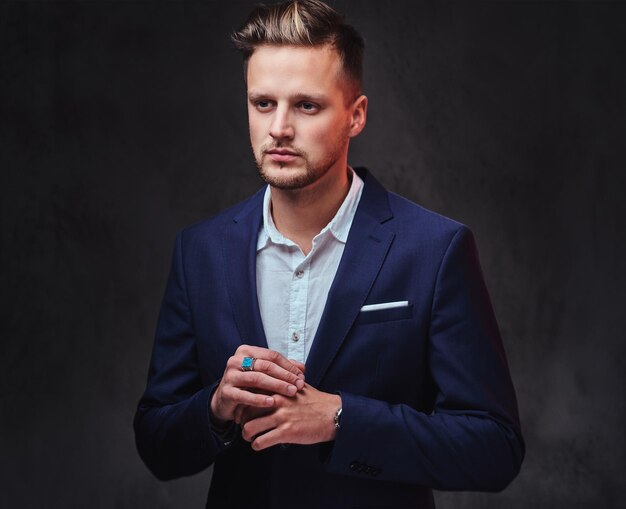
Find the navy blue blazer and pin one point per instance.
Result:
(426, 392)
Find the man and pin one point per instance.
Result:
(325, 343)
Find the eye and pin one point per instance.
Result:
(263, 105)
(309, 107)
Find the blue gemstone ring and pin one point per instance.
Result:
(247, 364)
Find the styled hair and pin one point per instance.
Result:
(303, 23)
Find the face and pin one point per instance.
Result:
(300, 117)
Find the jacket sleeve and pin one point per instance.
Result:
(172, 424)
(471, 440)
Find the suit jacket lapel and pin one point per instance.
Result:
(364, 253)
(239, 243)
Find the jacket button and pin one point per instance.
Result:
(354, 465)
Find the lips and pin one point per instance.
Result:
(280, 155)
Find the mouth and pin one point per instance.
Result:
(282, 155)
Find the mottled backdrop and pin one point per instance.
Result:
(121, 122)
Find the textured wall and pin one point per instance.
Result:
(122, 122)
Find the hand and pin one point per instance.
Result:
(273, 375)
(306, 418)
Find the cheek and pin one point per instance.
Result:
(256, 131)
(329, 136)
(322, 134)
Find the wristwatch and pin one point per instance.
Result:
(338, 419)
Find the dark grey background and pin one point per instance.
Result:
(121, 122)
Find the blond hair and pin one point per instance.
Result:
(303, 23)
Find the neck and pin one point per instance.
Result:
(301, 214)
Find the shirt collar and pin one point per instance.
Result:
(339, 225)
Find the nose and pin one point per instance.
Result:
(281, 127)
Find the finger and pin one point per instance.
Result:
(301, 366)
(275, 371)
(249, 413)
(273, 437)
(269, 368)
(256, 381)
(236, 396)
(270, 355)
(238, 413)
(257, 426)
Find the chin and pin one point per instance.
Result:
(286, 182)
(287, 177)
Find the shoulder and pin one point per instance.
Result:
(405, 211)
(213, 226)
(436, 234)
(405, 217)
(423, 231)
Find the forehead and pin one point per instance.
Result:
(274, 69)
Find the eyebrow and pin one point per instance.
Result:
(302, 96)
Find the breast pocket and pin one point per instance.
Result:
(385, 315)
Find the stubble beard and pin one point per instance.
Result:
(283, 176)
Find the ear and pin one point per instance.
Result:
(359, 115)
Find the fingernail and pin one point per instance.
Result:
(291, 390)
(269, 401)
(299, 384)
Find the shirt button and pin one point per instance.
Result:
(299, 274)
(295, 336)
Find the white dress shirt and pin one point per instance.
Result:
(292, 288)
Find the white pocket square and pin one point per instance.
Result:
(385, 305)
